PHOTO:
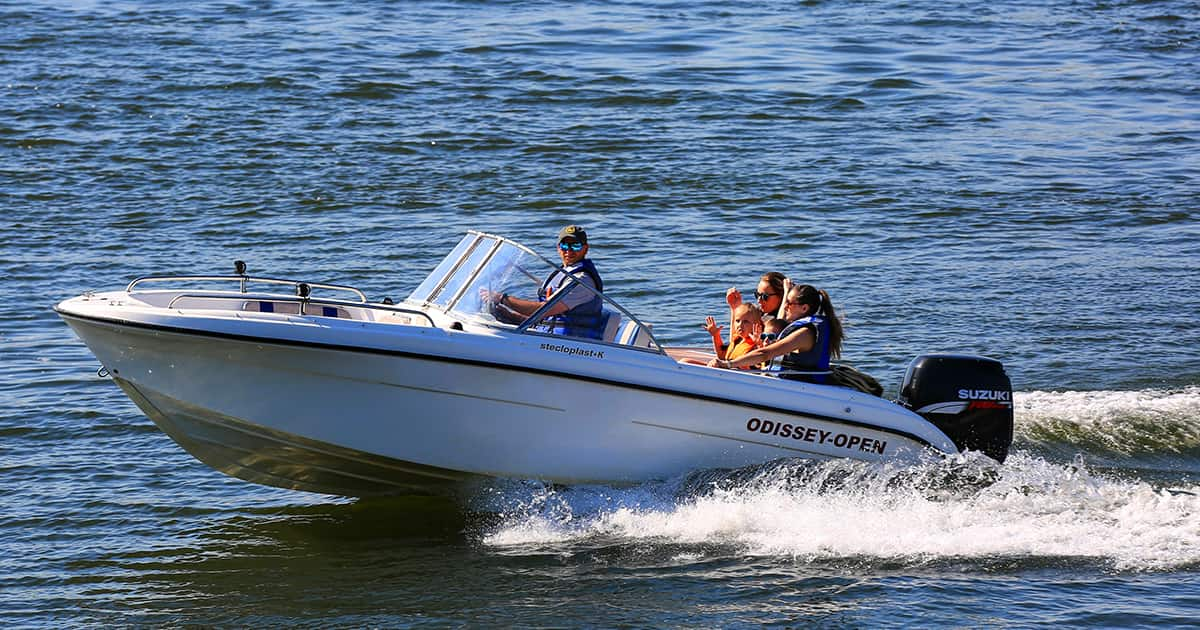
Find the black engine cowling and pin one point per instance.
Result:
(969, 398)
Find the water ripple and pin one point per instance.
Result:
(1016, 179)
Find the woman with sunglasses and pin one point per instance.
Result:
(812, 337)
(578, 313)
(768, 293)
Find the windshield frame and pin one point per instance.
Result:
(460, 278)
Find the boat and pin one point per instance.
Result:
(311, 386)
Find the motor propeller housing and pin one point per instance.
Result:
(968, 397)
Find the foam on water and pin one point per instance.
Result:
(1111, 424)
(966, 508)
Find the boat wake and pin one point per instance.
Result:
(1032, 510)
(1156, 428)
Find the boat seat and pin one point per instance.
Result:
(612, 324)
(631, 334)
(293, 308)
(264, 306)
(326, 311)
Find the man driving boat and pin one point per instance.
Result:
(578, 313)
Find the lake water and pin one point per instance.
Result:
(999, 178)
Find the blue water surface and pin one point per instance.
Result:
(1004, 178)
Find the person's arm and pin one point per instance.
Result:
(801, 340)
(714, 330)
(524, 307)
(580, 290)
(787, 286)
(733, 297)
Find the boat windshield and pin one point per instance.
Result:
(482, 267)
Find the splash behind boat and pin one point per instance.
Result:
(316, 388)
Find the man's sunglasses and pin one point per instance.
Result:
(762, 297)
(570, 247)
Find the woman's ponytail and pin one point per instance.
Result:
(826, 309)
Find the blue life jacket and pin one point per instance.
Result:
(584, 320)
(815, 359)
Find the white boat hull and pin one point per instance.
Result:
(427, 413)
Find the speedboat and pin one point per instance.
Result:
(311, 386)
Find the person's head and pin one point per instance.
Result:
(747, 319)
(769, 292)
(572, 244)
(805, 300)
(773, 327)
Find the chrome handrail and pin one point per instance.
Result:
(295, 284)
(272, 297)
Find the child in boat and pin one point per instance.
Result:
(772, 329)
(747, 325)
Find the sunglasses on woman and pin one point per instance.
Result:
(570, 247)
(762, 297)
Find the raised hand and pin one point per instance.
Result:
(710, 324)
(733, 297)
(787, 287)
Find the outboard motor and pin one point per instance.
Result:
(968, 398)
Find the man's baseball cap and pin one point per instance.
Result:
(573, 232)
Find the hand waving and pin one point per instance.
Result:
(711, 326)
(733, 297)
